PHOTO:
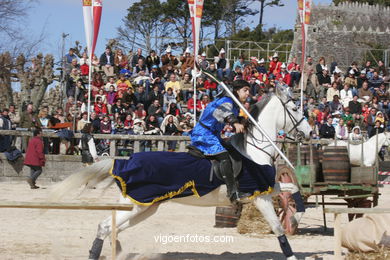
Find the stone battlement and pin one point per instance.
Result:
(344, 33)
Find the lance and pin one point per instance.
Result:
(251, 118)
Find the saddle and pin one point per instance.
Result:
(235, 158)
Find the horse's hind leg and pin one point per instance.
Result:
(104, 228)
(265, 205)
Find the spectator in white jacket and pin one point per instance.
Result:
(346, 95)
(341, 131)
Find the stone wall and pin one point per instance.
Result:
(57, 168)
(345, 33)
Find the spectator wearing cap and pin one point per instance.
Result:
(107, 62)
(223, 66)
(152, 60)
(295, 71)
(351, 80)
(156, 77)
(337, 77)
(187, 62)
(168, 59)
(362, 78)
(203, 63)
(261, 67)
(275, 65)
(155, 94)
(284, 76)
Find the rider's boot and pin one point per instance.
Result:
(232, 186)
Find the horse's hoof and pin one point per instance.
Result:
(292, 258)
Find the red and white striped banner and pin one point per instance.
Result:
(97, 14)
(383, 173)
(196, 11)
(88, 23)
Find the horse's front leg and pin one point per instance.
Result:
(296, 196)
(105, 229)
(265, 205)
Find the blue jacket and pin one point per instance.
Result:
(206, 136)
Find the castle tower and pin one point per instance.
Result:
(344, 33)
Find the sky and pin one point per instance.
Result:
(66, 16)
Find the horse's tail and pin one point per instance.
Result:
(91, 175)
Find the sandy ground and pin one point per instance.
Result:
(61, 234)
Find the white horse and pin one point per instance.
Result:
(370, 149)
(278, 113)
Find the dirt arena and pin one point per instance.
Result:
(61, 234)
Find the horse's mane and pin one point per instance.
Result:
(256, 108)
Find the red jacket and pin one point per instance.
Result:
(286, 78)
(34, 154)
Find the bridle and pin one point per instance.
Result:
(296, 123)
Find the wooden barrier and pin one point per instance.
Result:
(75, 206)
(337, 222)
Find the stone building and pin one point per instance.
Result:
(345, 33)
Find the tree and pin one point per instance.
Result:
(236, 10)
(371, 2)
(267, 3)
(177, 16)
(141, 22)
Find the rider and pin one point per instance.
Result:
(206, 136)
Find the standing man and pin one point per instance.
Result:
(35, 158)
(206, 135)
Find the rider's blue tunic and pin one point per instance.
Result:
(206, 136)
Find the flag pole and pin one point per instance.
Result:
(89, 86)
(303, 52)
(255, 123)
(194, 95)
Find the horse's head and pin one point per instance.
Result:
(293, 120)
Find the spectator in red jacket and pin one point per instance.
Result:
(35, 158)
(284, 76)
(100, 107)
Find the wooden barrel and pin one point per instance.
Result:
(227, 216)
(335, 164)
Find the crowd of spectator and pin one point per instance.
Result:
(153, 95)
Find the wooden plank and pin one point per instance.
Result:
(65, 206)
(337, 236)
(357, 210)
(352, 197)
(113, 148)
(113, 235)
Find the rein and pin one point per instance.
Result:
(295, 122)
